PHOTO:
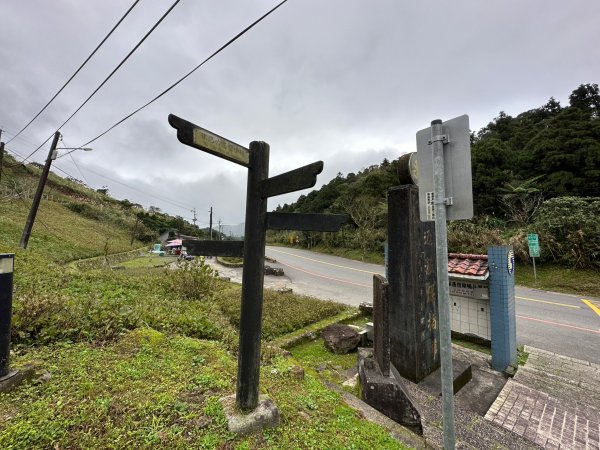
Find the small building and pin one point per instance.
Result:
(469, 295)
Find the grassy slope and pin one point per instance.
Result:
(118, 383)
(60, 234)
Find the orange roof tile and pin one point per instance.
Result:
(465, 264)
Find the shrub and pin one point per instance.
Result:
(193, 280)
(474, 236)
(569, 231)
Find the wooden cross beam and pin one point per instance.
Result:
(214, 248)
(275, 221)
(259, 188)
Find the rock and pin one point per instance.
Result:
(321, 367)
(340, 339)
(366, 308)
(45, 377)
(277, 271)
(297, 372)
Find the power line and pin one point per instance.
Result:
(163, 199)
(77, 71)
(223, 47)
(112, 73)
(171, 202)
(20, 138)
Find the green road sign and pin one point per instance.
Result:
(534, 245)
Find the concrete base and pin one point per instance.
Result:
(266, 415)
(15, 378)
(386, 393)
(432, 383)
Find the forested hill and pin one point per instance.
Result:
(537, 172)
(551, 151)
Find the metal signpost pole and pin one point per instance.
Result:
(252, 279)
(437, 143)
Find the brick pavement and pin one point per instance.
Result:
(551, 402)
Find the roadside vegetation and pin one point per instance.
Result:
(131, 355)
(538, 172)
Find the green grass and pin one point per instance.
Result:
(282, 312)
(150, 390)
(314, 356)
(473, 346)
(60, 234)
(560, 279)
(522, 355)
(148, 261)
(231, 260)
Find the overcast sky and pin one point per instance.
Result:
(348, 82)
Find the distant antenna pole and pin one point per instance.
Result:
(194, 219)
(220, 230)
(210, 223)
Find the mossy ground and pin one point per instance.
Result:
(153, 390)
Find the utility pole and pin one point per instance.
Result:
(220, 230)
(194, 219)
(210, 223)
(38, 193)
(1, 154)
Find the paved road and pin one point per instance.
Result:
(560, 323)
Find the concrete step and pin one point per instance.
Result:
(544, 419)
(472, 430)
(561, 376)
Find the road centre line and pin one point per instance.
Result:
(589, 330)
(549, 302)
(327, 263)
(591, 305)
(327, 278)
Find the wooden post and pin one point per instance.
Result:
(252, 279)
(381, 319)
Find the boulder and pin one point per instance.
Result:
(340, 339)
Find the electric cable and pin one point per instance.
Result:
(77, 71)
(111, 74)
(223, 47)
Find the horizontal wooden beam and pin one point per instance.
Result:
(294, 180)
(202, 139)
(305, 222)
(214, 248)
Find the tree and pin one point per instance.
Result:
(587, 98)
(521, 200)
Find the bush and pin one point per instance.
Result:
(282, 313)
(57, 305)
(569, 231)
(474, 236)
(192, 280)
